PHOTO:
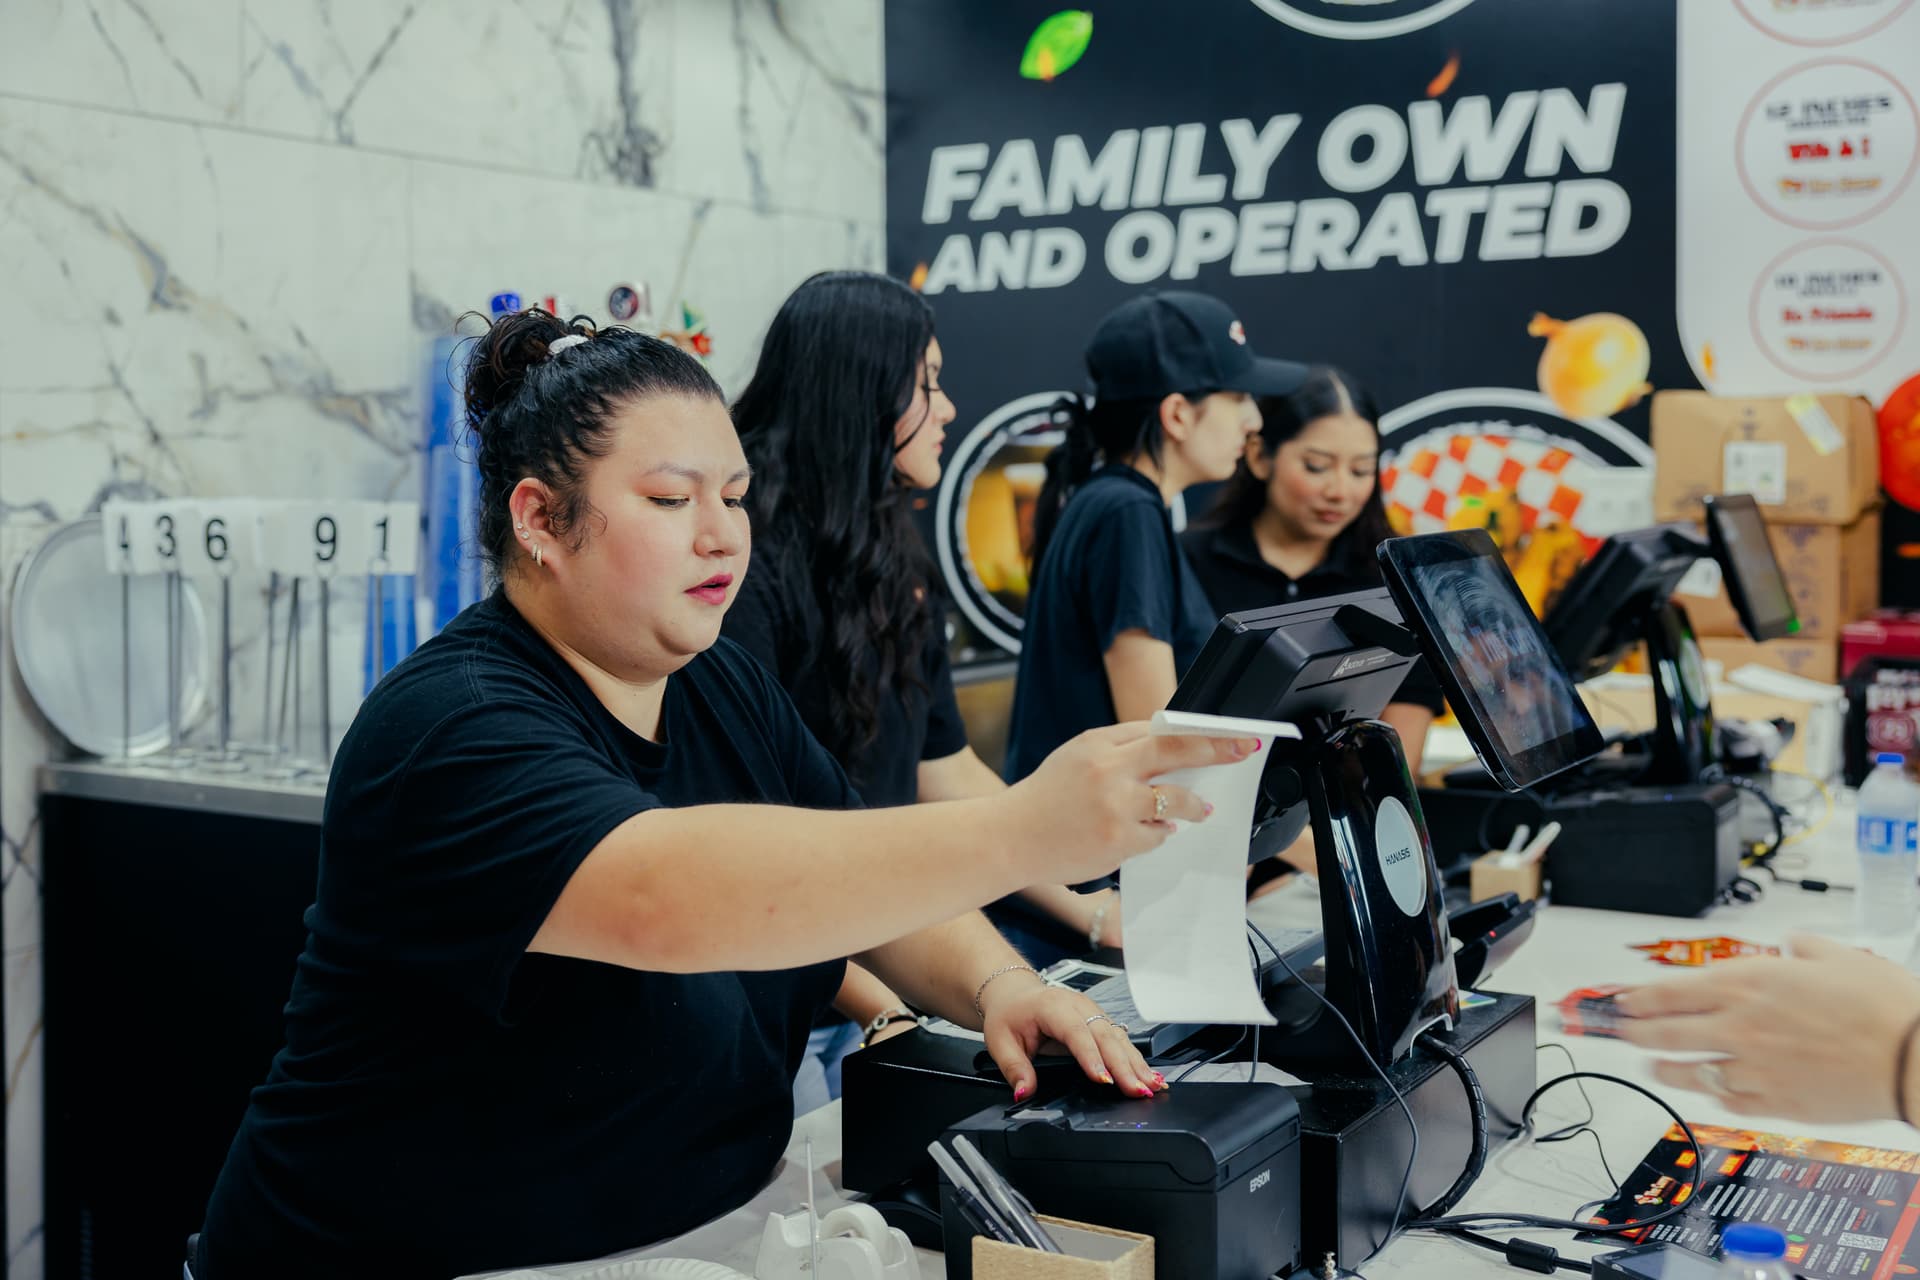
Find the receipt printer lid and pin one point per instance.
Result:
(1205, 1135)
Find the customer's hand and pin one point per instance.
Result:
(1089, 806)
(1812, 1036)
(1029, 1016)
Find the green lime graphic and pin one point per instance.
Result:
(1056, 44)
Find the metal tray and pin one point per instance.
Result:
(66, 634)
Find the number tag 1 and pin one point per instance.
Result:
(393, 537)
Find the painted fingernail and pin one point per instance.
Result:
(1256, 744)
(1159, 1078)
(1106, 1078)
(1145, 1091)
(1020, 1094)
(1209, 811)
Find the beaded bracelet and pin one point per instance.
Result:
(1098, 924)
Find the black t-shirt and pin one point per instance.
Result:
(1113, 566)
(447, 1102)
(1237, 578)
(914, 724)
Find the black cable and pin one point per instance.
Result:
(1477, 1104)
(1566, 1133)
(1406, 1176)
(1523, 1253)
(1775, 812)
(1468, 1220)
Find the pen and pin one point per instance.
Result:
(973, 1206)
(1005, 1198)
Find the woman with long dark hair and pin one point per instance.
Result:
(842, 423)
(1301, 519)
(586, 877)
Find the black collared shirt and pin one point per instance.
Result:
(1237, 578)
(1114, 565)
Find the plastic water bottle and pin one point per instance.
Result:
(1749, 1251)
(1887, 835)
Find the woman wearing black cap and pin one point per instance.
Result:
(1115, 612)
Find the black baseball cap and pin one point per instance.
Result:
(1164, 342)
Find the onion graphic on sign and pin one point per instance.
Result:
(1592, 367)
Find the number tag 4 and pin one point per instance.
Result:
(123, 528)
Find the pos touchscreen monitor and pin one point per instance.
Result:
(1513, 697)
(1755, 584)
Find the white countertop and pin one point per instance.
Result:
(1570, 948)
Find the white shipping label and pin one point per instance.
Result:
(1758, 467)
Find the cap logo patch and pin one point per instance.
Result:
(1237, 332)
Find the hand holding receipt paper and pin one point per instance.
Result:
(1184, 903)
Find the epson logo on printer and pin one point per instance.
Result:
(1357, 662)
(1260, 1180)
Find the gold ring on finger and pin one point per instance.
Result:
(1159, 803)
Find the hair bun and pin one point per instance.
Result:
(512, 344)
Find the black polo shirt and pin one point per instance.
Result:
(447, 1101)
(1237, 578)
(1114, 565)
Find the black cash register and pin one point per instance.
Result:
(1387, 1004)
(1648, 826)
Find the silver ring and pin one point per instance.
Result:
(1121, 1027)
(1713, 1078)
(1159, 803)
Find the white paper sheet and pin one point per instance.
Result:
(1184, 906)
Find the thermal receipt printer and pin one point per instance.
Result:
(1210, 1171)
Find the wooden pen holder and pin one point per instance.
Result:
(1488, 879)
(1090, 1253)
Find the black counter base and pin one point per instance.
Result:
(1355, 1142)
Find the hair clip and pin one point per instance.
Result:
(558, 345)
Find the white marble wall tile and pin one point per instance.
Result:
(201, 302)
(233, 227)
(476, 234)
(177, 58)
(779, 106)
(23, 744)
(568, 90)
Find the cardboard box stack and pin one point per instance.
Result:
(1812, 463)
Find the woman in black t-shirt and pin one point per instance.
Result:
(842, 423)
(1115, 614)
(1300, 519)
(586, 878)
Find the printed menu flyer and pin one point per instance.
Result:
(1845, 1210)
